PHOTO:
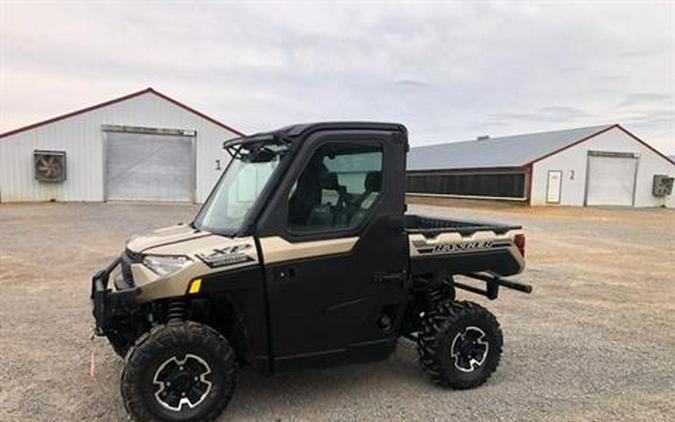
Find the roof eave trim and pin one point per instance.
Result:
(586, 138)
(632, 135)
(115, 101)
(197, 112)
(570, 145)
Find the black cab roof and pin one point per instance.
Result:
(293, 132)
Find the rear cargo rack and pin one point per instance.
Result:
(432, 226)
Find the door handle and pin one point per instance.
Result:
(390, 277)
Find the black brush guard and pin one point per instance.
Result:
(108, 304)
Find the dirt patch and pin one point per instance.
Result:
(595, 341)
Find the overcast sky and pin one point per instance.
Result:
(449, 71)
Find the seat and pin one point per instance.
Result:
(326, 214)
(372, 184)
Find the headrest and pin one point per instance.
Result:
(373, 181)
(329, 180)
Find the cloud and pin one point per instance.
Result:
(562, 114)
(449, 70)
(411, 83)
(645, 97)
(640, 53)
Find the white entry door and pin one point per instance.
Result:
(611, 179)
(156, 167)
(554, 186)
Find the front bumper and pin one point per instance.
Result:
(109, 306)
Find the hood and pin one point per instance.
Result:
(184, 240)
(165, 237)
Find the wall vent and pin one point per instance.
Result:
(50, 166)
(663, 185)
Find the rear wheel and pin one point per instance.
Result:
(460, 344)
(182, 371)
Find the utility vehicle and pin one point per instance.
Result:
(302, 256)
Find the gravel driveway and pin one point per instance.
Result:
(596, 340)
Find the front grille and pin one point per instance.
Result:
(127, 274)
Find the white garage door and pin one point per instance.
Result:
(611, 179)
(154, 167)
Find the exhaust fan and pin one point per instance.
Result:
(663, 185)
(50, 166)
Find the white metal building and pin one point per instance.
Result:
(600, 165)
(142, 146)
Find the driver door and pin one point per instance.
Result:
(335, 264)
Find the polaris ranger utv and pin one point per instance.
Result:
(301, 257)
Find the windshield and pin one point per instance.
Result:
(237, 190)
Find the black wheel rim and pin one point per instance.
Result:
(182, 383)
(469, 349)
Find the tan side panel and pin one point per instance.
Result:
(176, 284)
(276, 249)
(419, 241)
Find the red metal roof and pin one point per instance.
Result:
(117, 100)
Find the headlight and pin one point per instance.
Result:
(165, 265)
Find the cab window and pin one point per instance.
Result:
(337, 188)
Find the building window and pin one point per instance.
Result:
(480, 184)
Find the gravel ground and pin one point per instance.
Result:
(596, 340)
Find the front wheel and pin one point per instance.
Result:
(182, 371)
(460, 344)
